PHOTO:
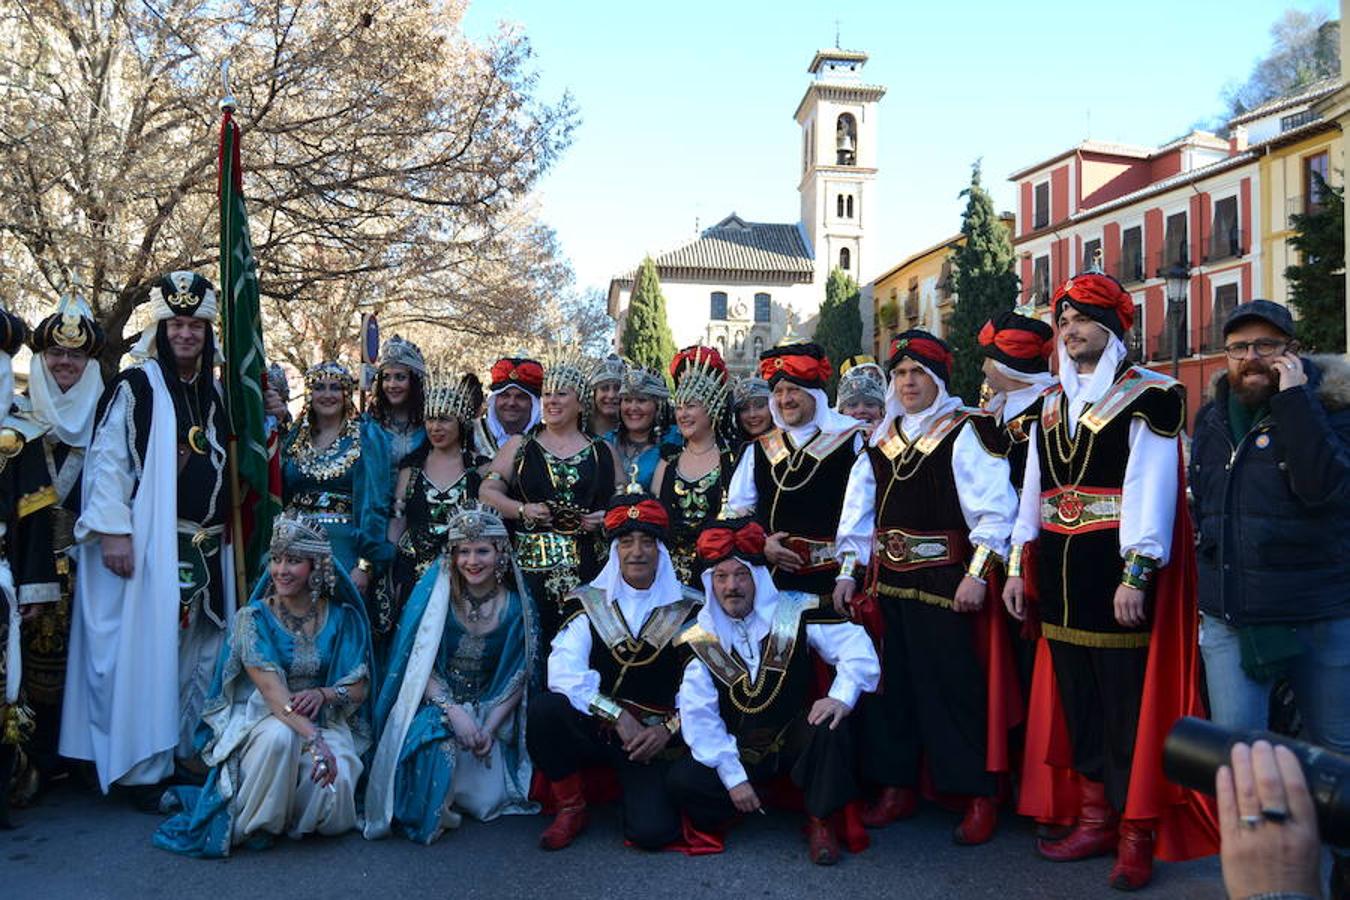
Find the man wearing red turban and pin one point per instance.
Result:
(745, 698)
(1103, 498)
(512, 403)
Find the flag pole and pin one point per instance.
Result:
(241, 586)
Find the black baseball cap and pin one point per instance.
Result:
(1276, 314)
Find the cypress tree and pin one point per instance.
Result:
(1317, 284)
(839, 329)
(646, 335)
(985, 284)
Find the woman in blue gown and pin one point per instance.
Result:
(335, 467)
(398, 405)
(644, 435)
(287, 719)
(451, 710)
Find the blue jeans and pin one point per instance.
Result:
(1320, 677)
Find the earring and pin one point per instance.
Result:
(502, 565)
(315, 580)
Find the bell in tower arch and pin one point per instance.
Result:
(846, 140)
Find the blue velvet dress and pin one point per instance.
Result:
(401, 441)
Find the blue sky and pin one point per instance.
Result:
(686, 107)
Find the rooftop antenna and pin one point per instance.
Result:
(837, 45)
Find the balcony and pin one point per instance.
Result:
(1228, 243)
(1161, 345)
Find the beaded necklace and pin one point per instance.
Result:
(332, 461)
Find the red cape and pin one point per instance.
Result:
(1186, 825)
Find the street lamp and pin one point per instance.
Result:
(1178, 279)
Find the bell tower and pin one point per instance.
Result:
(838, 118)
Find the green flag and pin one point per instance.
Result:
(253, 441)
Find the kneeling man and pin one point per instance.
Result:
(744, 700)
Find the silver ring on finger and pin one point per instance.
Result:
(1250, 822)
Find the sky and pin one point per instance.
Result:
(686, 107)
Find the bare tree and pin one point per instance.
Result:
(1305, 48)
(388, 161)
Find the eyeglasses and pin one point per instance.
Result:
(1264, 347)
(63, 353)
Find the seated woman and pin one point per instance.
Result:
(335, 468)
(435, 482)
(286, 722)
(451, 708)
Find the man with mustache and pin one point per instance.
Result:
(745, 699)
(1270, 474)
(612, 675)
(1102, 495)
(54, 418)
(930, 507)
(512, 405)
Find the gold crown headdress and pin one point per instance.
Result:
(296, 534)
(330, 369)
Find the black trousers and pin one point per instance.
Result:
(930, 651)
(562, 741)
(822, 767)
(1100, 690)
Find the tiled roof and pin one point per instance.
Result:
(1314, 91)
(735, 245)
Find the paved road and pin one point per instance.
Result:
(76, 845)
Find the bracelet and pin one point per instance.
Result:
(1015, 560)
(343, 695)
(442, 702)
(847, 565)
(604, 708)
(520, 512)
(494, 476)
(672, 724)
(981, 561)
(1139, 570)
(365, 565)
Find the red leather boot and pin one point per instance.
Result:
(891, 805)
(821, 843)
(979, 823)
(1096, 831)
(572, 817)
(1134, 856)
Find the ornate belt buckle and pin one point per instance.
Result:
(566, 517)
(1070, 508)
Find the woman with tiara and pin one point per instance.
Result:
(605, 401)
(286, 721)
(554, 484)
(335, 467)
(435, 482)
(643, 436)
(398, 404)
(750, 401)
(451, 710)
(692, 484)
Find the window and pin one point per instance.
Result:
(1040, 280)
(1131, 255)
(1090, 250)
(845, 258)
(759, 346)
(1135, 339)
(849, 207)
(1225, 240)
(1225, 298)
(912, 302)
(1314, 182)
(763, 304)
(839, 206)
(718, 310)
(846, 140)
(1174, 243)
(944, 284)
(1041, 217)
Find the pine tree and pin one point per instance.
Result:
(839, 330)
(1317, 285)
(646, 335)
(984, 281)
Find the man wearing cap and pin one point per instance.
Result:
(612, 676)
(55, 416)
(1270, 476)
(745, 698)
(930, 506)
(861, 392)
(154, 593)
(512, 404)
(1101, 490)
(792, 478)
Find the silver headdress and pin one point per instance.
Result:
(450, 395)
(295, 534)
(399, 352)
(750, 387)
(475, 523)
(861, 379)
(700, 377)
(277, 381)
(638, 382)
(326, 370)
(570, 372)
(611, 368)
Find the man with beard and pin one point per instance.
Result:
(930, 506)
(512, 404)
(149, 534)
(1101, 490)
(1270, 474)
(612, 676)
(745, 699)
(792, 478)
(56, 419)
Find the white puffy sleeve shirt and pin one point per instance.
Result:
(109, 472)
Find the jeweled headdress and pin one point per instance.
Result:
(400, 352)
(183, 293)
(611, 368)
(700, 377)
(569, 371)
(71, 326)
(638, 382)
(861, 379)
(295, 534)
(330, 369)
(277, 381)
(749, 387)
(475, 523)
(450, 395)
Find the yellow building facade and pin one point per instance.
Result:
(1287, 187)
